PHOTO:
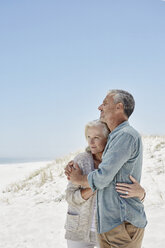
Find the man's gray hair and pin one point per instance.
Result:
(97, 123)
(125, 98)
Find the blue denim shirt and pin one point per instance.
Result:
(122, 157)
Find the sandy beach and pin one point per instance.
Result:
(11, 173)
(33, 208)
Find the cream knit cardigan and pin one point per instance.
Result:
(80, 211)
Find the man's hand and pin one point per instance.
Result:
(131, 190)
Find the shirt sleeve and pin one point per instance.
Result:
(115, 157)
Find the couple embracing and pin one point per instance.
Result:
(104, 196)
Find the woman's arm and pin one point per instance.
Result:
(131, 190)
(87, 193)
(75, 194)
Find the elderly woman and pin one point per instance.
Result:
(81, 222)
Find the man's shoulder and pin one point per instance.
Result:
(132, 132)
(127, 133)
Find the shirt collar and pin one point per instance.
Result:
(119, 127)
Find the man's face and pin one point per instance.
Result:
(107, 109)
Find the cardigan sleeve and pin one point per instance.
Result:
(73, 192)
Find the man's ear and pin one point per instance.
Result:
(119, 106)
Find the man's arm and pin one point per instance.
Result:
(116, 156)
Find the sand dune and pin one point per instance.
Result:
(33, 209)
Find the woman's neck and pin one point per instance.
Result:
(98, 156)
(97, 159)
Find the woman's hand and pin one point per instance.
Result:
(68, 169)
(131, 190)
(75, 175)
(73, 172)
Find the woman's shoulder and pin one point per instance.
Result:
(84, 156)
(85, 161)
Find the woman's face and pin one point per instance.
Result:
(96, 139)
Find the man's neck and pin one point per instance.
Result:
(115, 124)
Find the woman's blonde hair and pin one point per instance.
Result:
(97, 123)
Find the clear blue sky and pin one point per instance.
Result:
(58, 59)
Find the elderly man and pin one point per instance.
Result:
(120, 221)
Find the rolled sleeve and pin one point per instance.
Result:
(117, 154)
(91, 181)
